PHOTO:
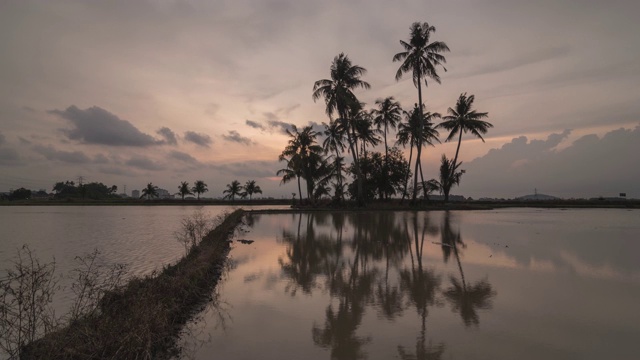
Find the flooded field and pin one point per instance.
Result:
(506, 284)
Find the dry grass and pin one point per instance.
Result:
(143, 319)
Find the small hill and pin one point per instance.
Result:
(537, 197)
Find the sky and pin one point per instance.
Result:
(132, 92)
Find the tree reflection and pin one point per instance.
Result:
(464, 299)
(421, 287)
(360, 260)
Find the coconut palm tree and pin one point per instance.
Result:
(339, 97)
(420, 58)
(464, 119)
(251, 188)
(292, 171)
(387, 115)
(409, 133)
(233, 189)
(449, 176)
(304, 151)
(199, 187)
(150, 191)
(364, 130)
(184, 189)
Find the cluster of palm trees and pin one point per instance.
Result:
(235, 189)
(199, 187)
(350, 123)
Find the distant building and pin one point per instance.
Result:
(164, 194)
(135, 194)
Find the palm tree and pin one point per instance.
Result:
(199, 188)
(464, 119)
(421, 58)
(150, 191)
(409, 133)
(251, 188)
(449, 176)
(292, 171)
(184, 189)
(364, 131)
(339, 97)
(387, 115)
(233, 189)
(303, 151)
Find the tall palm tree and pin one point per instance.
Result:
(184, 189)
(233, 189)
(199, 187)
(251, 188)
(364, 130)
(339, 97)
(421, 58)
(150, 191)
(387, 115)
(464, 119)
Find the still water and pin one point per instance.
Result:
(141, 237)
(505, 284)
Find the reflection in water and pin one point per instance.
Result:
(464, 299)
(369, 268)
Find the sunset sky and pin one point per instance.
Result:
(129, 92)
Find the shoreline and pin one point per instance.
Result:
(382, 205)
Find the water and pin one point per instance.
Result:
(505, 284)
(142, 237)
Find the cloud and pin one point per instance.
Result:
(168, 135)
(2, 139)
(248, 169)
(198, 139)
(280, 125)
(24, 141)
(100, 159)
(98, 126)
(52, 154)
(520, 60)
(591, 166)
(183, 157)
(143, 162)
(234, 136)
(9, 156)
(254, 124)
(212, 109)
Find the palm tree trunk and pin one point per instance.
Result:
(419, 144)
(406, 183)
(299, 189)
(455, 158)
(356, 164)
(339, 175)
(386, 155)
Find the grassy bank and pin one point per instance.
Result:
(143, 319)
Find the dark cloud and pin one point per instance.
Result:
(29, 109)
(144, 163)
(203, 140)
(591, 166)
(254, 124)
(168, 135)
(280, 125)
(183, 157)
(24, 141)
(98, 126)
(235, 136)
(9, 156)
(100, 159)
(114, 170)
(52, 154)
(2, 139)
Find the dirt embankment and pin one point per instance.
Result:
(144, 319)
